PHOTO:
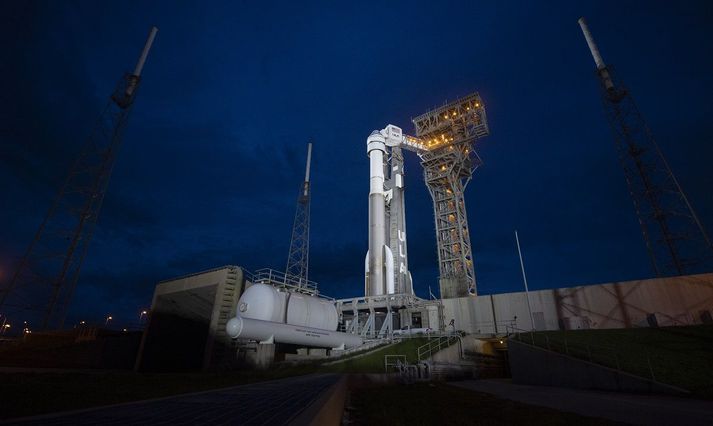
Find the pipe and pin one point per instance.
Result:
(145, 52)
(592, 45)
(275, 332)
(524, 279)
(601, 67)
(309, 160)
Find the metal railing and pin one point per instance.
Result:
(281, 279)
(394, 361)
(436, 344)
(492, 327)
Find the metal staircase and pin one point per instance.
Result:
(224, 348)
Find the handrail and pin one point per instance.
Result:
(426, 350)
(397, 363)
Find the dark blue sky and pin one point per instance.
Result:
(213, 156)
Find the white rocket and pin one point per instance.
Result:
(379, 264)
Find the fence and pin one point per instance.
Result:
(434, 345)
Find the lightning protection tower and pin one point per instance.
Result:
(298, 258)
(675, 238)
(449, 133)
(44, 282)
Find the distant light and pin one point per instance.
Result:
(501, 342)
(125, 331)
(144, 312)
(7, 325)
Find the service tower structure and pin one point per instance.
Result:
(449, 160)
(444, 142)
(298, 257)
(676, 241)
(42, 287)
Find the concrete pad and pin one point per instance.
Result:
(616, 406)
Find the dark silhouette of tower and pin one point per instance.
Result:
(44, 282)
(676, 240)
(298, 258)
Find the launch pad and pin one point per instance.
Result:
(377, 317)
(444, 142)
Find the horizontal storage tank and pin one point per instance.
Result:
(263, 302)
(266, 303)
(272, 332)
(310, 311)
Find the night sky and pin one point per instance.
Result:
(214, 153)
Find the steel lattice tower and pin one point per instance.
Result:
(675, 238)
(46, 277)
(449, 133)
(298, 258)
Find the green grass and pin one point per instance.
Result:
(679, 356)
(440, 404)
(374, 362)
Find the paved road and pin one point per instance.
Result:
(276, 403)
(622, 407)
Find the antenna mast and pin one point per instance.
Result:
(298, 258)
(44, 282)
(675, 238)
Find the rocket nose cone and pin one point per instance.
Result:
(234, 327)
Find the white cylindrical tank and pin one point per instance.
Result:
(312, 312)
(265, 331)
(266, 303)
(263, 302)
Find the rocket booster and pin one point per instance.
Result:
(379, 262)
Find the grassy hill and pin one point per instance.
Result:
(374, 361)
(679, 356)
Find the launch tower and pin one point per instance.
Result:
(44, 282)
(675, 238)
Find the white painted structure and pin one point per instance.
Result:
(386, 263)
(207, 299)
(272, 332)
(680, 300)
(266, 303)
(270, 315)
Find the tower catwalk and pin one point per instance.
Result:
(298, 258)
(448, 165)
(44, 282)
(675, 238)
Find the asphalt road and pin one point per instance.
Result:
(616, 406)
(276, 402)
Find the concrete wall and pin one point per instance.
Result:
(673, 301)
(188, 314)
(530, 365)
